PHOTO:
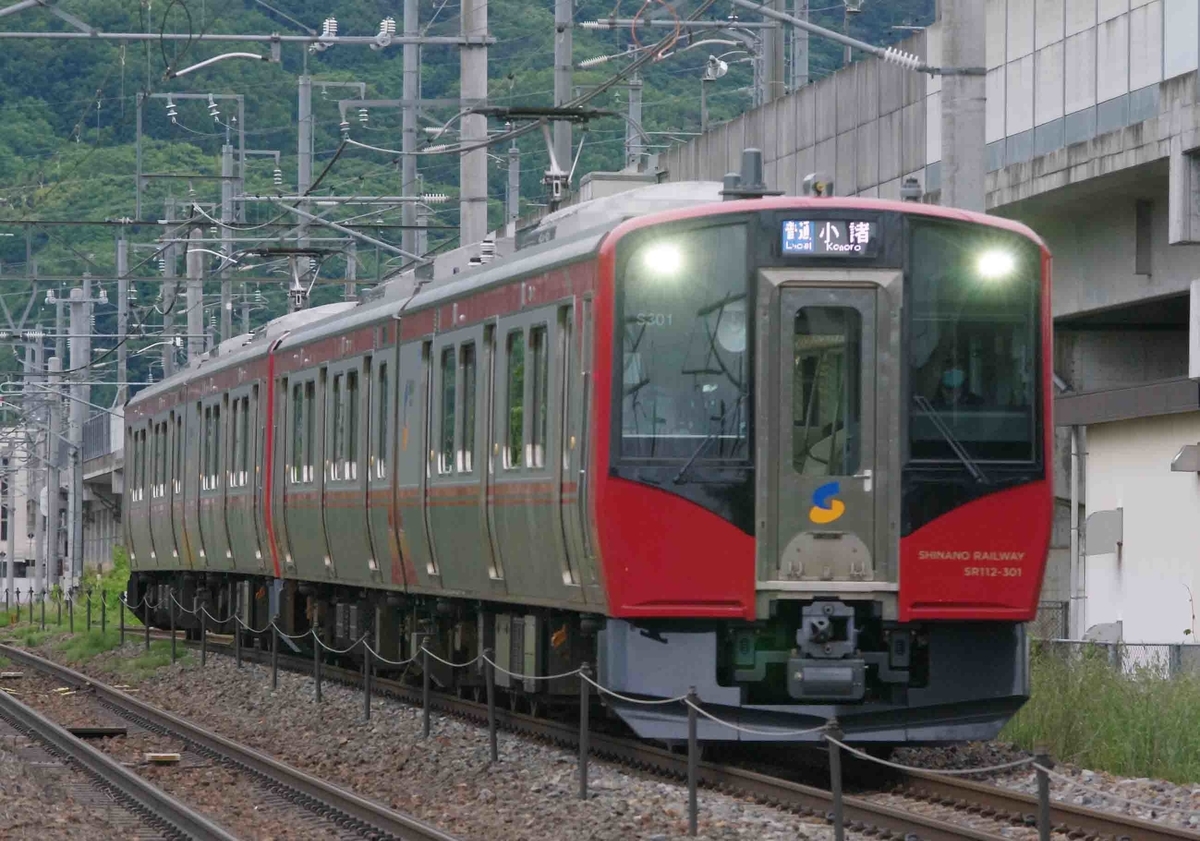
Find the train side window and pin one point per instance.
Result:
(206, 454)
(515, 405)
(826, 368)
(337, 429)
(446, 437)
(161, 459)
(235, 440)
(241, 463)
(215, 474)
(351, 466)
(381, 425)
(298, 433)
(538, 348)
(466, 454)
(178, 470)
(310, 426)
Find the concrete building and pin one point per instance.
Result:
(1093, 138)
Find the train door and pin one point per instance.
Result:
(177, 494)
(192, 482)
(820, 375)
(381, 468)
(213, 483)
(345, 472)
(160, 522)
(526, 457)
(307, 551)
(457, 497)
(413, 464)
(240, 499)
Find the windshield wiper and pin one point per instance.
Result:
(700, 448)
(925, 406)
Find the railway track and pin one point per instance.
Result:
(350, 814)
(152, 808)
(1006, 812)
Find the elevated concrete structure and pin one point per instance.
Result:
(1093, 139)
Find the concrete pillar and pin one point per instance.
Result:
(474, 90)
(964, 147)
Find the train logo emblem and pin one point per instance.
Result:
(826, 506)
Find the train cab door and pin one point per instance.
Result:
(821, 373)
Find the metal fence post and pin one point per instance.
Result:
(585, 702)
(490, 677)
(103, 612)
(1043, 760)
(31, 606)
(120, 610)
(317, 663)
(6, 604)
(71, 614)
(367, 678)
(237, 641)
(425, 687)
(693, 750)
(274, 655)
(58, 611)
(171, 610)
(146, 625)
(88, 592)
(835, 782)
(43, 609)
(203, 636)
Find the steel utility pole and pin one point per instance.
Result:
(33, 378)
(633, 128)
(53, 477)
(800, 47)
(351, 292)
(408, 137)
(564, 12)
(772, 38)
(964, 156)
(81, 352)
(168, 296)
(122, 321)
(8, 464)
(472, 189)
(195, 296)
(227, 214)
(512, 199)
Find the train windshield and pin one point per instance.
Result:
(686, 370)
(973, 347)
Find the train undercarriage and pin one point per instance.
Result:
(809, 664)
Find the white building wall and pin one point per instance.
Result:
(1150, 587)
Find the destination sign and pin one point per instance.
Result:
(830, 237)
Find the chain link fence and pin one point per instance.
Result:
(1050, 623)
(1165, 660)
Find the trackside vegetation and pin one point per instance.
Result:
(1133, 723)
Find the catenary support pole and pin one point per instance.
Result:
(169, 291)
(195, 296)
(408, 137)
(964, 147)
(8, 486)
(81, 375)
(799, 47)
(227, 216)
(564, 12)
(122, 320)
(473, 132)
(53, 474)
(512, 197)
(633, 128)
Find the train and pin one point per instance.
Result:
(792, 454)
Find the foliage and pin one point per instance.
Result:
(1086, 712)
(70, 113)
(147, 662)
(83, 647)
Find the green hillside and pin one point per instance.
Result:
(67, 152)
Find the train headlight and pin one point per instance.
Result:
(731, 328)
(995, 264)
(663, 259)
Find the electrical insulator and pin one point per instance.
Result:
(345, 127)
(387, 26)
(213, 110)
(363, 117)
(277, 177)
(172, 111)
(329, 28)
(162, 264)
(212, 230)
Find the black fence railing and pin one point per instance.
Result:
(97, 436)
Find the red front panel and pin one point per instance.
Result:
(983, 560)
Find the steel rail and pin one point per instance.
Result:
(151, 803)
(1007, 804)
(1067, 815)
(356, 808)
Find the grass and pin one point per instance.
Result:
(147, 662)
(83, 647)
(1139, 724)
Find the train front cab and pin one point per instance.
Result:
(900, 512)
